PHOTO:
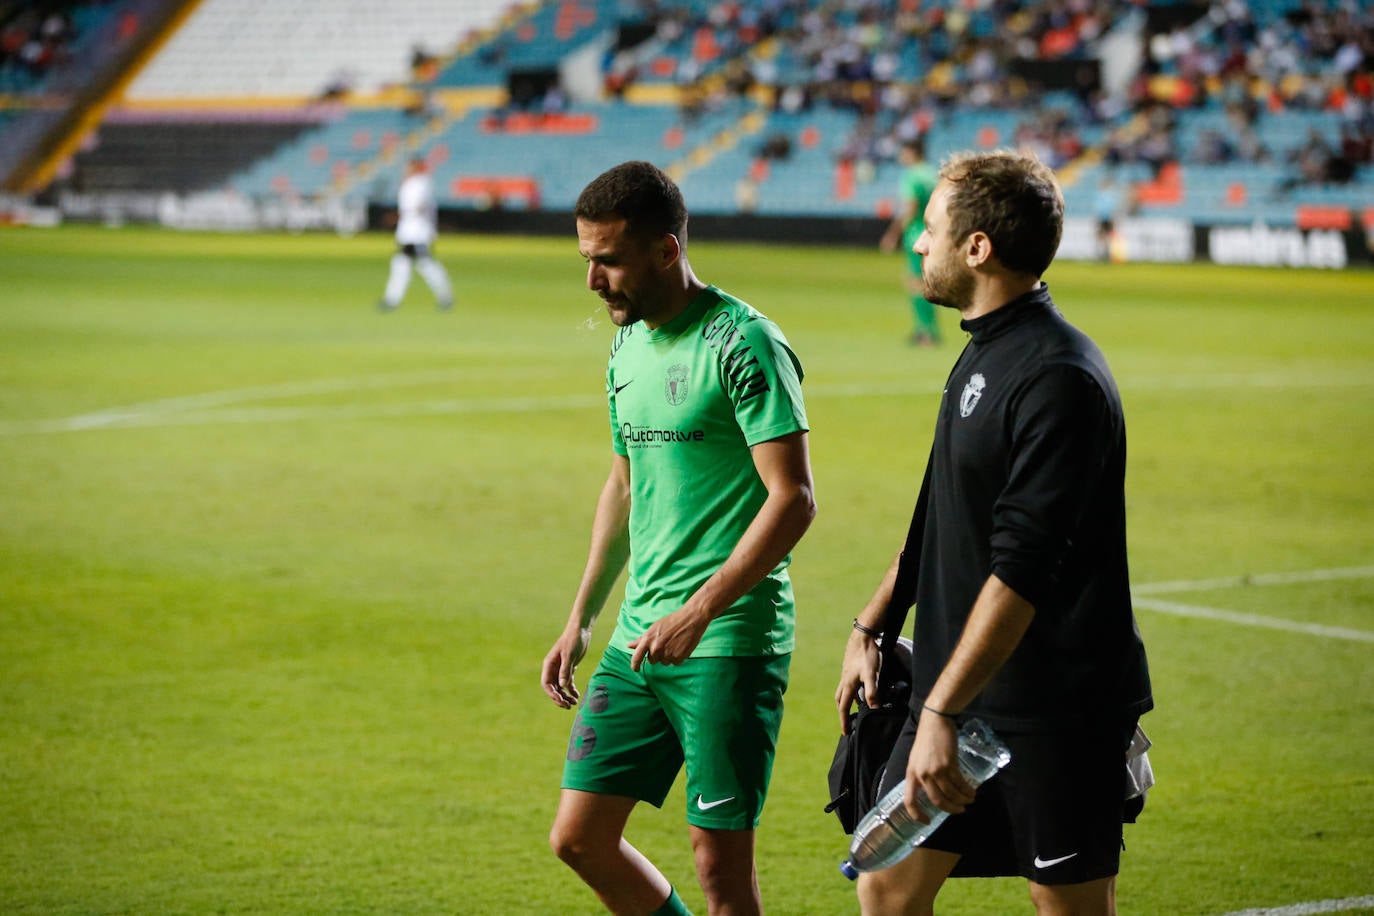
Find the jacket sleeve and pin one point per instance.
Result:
(1064, 430)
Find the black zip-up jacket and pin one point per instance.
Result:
(1028, 483)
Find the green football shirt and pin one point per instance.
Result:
(687, 400)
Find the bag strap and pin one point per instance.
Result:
(904, 588)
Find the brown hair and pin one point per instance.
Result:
(642, 195)
(1012, 197)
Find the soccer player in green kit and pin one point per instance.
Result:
(710, 488)
(917, 184)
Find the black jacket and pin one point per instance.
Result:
(1028, 482)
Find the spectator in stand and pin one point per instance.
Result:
(1241, 118)
(1357, 147)
(1108, 205)
(1313, 159)
(1213, 148)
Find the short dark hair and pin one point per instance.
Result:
(639, 193)
(1011, 196)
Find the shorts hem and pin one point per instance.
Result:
(722, 825)
(596, 789)
(1076, 879)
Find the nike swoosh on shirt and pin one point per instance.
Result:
(1046, 863)
(620, 388)
(704, 805)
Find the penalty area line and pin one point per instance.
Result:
(1251, 620)
(1283, 578)
(1139, 599)
(1315, 906)
(204, 408)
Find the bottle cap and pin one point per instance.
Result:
(848, 870)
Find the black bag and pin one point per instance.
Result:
(861, 755)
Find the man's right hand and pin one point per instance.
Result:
(561, 664)
(860, 669)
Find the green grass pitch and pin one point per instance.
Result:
(277, 572)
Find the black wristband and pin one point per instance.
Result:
(867, 630)
(941, 713)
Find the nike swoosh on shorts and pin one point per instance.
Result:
(1046, 863)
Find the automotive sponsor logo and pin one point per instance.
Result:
(647, 435)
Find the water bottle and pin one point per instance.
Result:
(889, 832)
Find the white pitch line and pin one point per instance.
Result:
(339, 412)
(192, 409)
(1288, 578)
(225, 396)
(1236, 380)
(1139, 592)
(181, 411)
(1251, 620)
(1304, 909)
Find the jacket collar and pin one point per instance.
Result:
(1016, 312)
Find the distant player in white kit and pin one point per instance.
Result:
(415, 233)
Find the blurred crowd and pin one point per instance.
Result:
(1247, 60)
(865, 56)
(34, 37)
(1316, 58)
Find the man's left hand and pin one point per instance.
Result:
(934, 766)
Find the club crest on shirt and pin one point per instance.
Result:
(675, 385)
(972, 392)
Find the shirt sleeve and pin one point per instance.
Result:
(1064, 427)
(617, 440)
(763, 378)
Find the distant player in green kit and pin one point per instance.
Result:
(710, 489)
(917, 184)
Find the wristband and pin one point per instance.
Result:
(867, 630)
(942, 714)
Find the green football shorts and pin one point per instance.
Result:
(720, 716)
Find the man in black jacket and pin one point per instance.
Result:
(1023, 609)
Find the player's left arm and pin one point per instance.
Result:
(784, 466)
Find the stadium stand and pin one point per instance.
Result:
(58, 60)
(299, 49)
(1212, 112)
(230, 89)
(136, 153)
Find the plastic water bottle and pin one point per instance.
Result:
(888, 833)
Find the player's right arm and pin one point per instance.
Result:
(893, 236)
(610, 549)
(906, 213)
(861, 658)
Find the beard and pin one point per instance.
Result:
(621, 314)
(950, 286)
(626, 307)
(622, 310)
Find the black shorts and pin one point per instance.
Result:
(1052, 815)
